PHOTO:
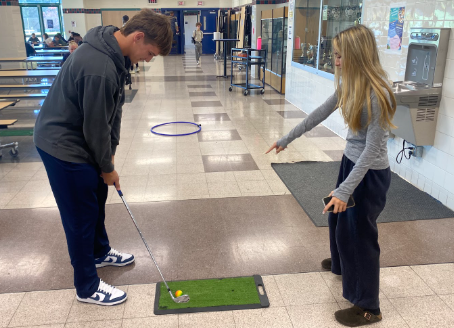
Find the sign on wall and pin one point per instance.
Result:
(199, 3)
(181, 3)
(50, 23)
(396, 28)
(73, 23)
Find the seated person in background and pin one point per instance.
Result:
(62, 38)
(29, 50)
(33, 39)
(72, 46)
(48, 41)
(77, 38)
(71, 38)
(58, 41)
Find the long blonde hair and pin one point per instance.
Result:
(361, 73)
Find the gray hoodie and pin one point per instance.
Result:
(80, 119)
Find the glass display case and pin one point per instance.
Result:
(277, 46)
(337, 15)
(267, 38)
(316, 23)
(274, 40)
(306, 29)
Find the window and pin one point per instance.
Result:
(41, 16)
(316, 23)
(38, 1)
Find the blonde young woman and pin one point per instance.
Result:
(367, 104)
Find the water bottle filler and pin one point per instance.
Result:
(418, 97)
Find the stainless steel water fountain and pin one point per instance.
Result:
(418, 97)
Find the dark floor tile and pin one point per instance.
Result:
(206, 104)
(225, 163)
(195, 86)
(202, 94)
(229, 237)
(224, 135)
(292, 114)
(335, 155)
(320, 132)
(210, 117)
(276, 101)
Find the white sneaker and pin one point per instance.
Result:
(137, 69)
(132, 72)
(105, 295)
(114, 258)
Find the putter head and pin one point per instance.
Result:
(181, 299)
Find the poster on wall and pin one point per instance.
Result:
(50, 23)
(396, 28)
(73, 24)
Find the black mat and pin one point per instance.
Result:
(309, 182)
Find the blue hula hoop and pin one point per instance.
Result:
(176, 135)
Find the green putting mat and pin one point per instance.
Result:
(16, 132)
(225, 294)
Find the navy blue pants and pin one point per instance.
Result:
(81, 196)
(355, 252)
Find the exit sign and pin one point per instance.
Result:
(199, 3)
(181, 3)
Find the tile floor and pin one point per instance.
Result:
(411, 296)
(224, 162)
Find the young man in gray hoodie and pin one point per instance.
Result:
(77, 132)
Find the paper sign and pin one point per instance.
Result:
(396, 28)
(181, 3)
(199, 3)
(73, 24)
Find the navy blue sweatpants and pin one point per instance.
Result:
(355, 252)
(81, 196)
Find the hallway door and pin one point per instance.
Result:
(208, 20)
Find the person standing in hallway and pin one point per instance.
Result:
(77, 132)
(367, 104)
(125, 20)
(197, 36)
(175, 28)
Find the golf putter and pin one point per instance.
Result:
(179, 299)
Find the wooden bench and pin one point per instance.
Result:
(25, 86)
(24, 96)
(29, 73)
(5, 123)
(13, 69)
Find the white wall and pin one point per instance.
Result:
(92, 20)
(97, 4)
(12, 39)
(434, 172)
(79, 19)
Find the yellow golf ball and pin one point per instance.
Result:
(178, 293)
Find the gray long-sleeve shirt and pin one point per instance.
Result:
(367, 148)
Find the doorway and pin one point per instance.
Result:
(191, 17)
